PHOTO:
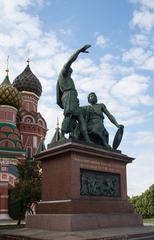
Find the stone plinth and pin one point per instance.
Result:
(79, 180)
(76, 222)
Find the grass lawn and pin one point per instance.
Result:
(149, 220)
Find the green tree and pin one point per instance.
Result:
(27, 189)
(144, 204)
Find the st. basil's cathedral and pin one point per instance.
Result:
(22, 128)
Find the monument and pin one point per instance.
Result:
(84, 183)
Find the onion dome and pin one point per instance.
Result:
(27, 81)
(9, 95)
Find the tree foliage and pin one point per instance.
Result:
(144, 204)
(27, 189)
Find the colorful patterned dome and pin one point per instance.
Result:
(27, 81)
(9, 95)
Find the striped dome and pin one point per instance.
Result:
(9, 95)
(27, 81)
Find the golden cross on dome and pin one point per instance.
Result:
(28, 61)
(7, 64)
(28, 53)
(57, 122)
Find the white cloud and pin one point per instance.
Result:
(144, 3)
(134, 121)
(130, 86)
(85, 66)
(140, 58)
(137, 55)
(101, 40)
(147, 3)
(144, 19)
(147, 100)
(20, 32)
(141, 137)
(140, 173)
(140, 40)
(144, 138)
(132, 90)
(149, 64)
(50, 112)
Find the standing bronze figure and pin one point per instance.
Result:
(84, 123)
(67, 98)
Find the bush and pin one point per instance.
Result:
(144, 204)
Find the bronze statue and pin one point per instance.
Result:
(94, 118)
(95, 121)
(83, 123)
(67, 98)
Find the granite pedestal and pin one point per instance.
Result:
(84, 187)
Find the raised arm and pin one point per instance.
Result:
(74, 57)
(110, 116)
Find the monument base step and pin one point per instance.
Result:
(4, 216)
(76, 222)
(85, 206)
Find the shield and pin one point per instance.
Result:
(118, 137)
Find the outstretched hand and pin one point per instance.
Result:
(120, 126)
(84, 48)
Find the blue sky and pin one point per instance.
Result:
(119, 66)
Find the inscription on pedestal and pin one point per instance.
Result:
(95, 183)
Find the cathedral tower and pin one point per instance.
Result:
(11, 150)
(22, 128)
(30, 122)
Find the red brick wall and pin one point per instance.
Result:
(3, 198)
(8, 114)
